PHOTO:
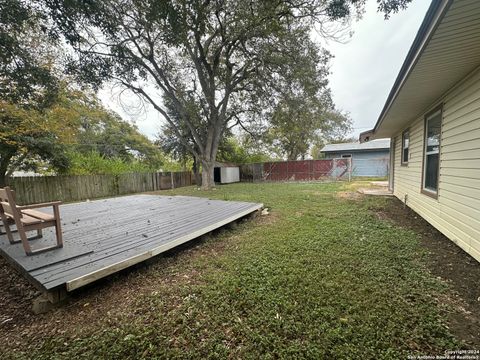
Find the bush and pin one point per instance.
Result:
(94, 163)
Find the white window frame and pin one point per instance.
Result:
(407, 133)
(428, 117)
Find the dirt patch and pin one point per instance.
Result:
(450, 263)
(353, 195)
(374, 191)
(16, 295)
(103, 301)
(269, 219)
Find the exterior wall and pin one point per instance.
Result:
(456, 211)
(366, 163)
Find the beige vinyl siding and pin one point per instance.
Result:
(456, 212)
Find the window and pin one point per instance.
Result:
(405, 146)
(431, 160)
(346, 156)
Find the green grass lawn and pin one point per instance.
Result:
(320, 277)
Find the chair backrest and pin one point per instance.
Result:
(7, 202)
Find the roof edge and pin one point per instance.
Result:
(432, 18)
(379, 145)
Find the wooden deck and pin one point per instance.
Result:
(105, 236)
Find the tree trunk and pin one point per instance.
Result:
(3, 179)
(196, 171)
(3, 170)
(210, 155)
(208, 181)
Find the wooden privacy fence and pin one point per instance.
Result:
(36, 189)
(300, 170)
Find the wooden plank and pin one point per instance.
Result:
(32, 263)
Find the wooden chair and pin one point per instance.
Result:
(26, 219)
(11, 222)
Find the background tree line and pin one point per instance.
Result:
(214, 70)
(48, 123)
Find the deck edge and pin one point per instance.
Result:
(113, 268)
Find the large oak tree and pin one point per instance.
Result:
(224, 56)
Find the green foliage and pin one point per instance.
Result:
(89, 163)
(76, 130)
(26, 53)
(27, 140)
(177, 139)
(234, 151)
(42, 117)
(315, 151)
(304, 112)
(298, 124)
(28, 86)
(89, 126)
(104, 143)
(95, 163)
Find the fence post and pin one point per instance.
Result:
(349, 169)
(334, 167)
(171, 180)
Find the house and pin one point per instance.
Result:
(368, 158)
(25, 173)
(432, 116)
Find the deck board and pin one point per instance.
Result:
(105, 236)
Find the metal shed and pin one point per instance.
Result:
(226, 173)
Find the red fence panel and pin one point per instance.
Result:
(322, 168)
(301, 170)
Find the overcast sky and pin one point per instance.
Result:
(362, 71)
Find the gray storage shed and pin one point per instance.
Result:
(226, 173)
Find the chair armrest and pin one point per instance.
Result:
(41, 205)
